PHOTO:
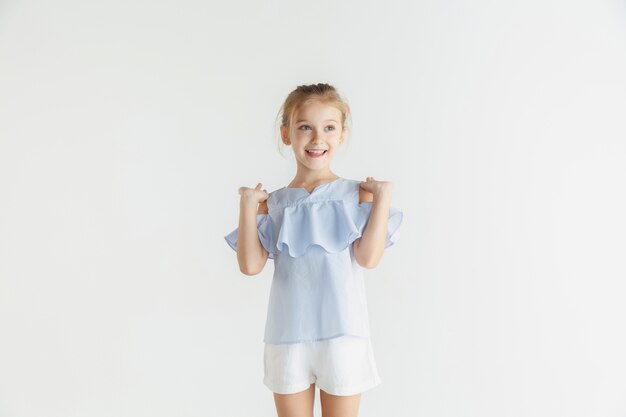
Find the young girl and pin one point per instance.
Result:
(321, 231)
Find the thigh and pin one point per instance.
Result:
(299, 404)
(339, 405)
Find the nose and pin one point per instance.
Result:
(317, 134)
(316, 138)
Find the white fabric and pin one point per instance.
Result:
(340, 366)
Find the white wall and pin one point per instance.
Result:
(126, 128)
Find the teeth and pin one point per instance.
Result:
(315, 152)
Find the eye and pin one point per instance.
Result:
(303, 126)
(331, 126)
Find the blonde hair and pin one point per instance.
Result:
(304, 94)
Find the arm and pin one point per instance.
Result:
(251, 255)
(370, 247)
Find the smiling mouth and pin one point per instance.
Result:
(317, 153)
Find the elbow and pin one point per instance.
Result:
(248, 270)
(251, 267)
(369, 263)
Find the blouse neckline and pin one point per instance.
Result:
(314, 188)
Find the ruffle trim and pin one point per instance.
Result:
(266, 235)
(333, 225)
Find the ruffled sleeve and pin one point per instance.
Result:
(266, 235)
(393, 222)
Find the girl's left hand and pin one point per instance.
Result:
(376, 187)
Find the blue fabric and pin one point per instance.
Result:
(266, 234)
(317, 290)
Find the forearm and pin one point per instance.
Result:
(370, 247)
(251, 255)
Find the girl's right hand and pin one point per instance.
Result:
(253, 195)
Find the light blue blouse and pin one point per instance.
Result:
(317, 290)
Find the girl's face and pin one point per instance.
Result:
(317, 126)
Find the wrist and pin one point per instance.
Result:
(383, 194)
(248, 202)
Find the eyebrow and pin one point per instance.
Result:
(327, 120)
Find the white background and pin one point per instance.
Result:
(126, 128)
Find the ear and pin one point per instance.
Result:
(284, 135)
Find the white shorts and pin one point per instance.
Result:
(340, 366)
